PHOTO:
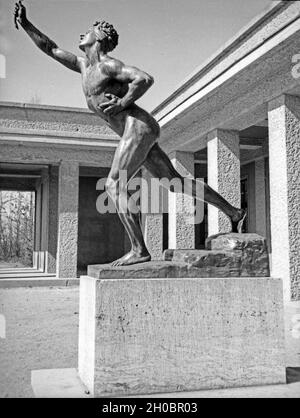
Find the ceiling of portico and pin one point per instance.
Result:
(253, 144)
(22, 169)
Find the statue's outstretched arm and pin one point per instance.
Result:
(42, 41)
(138, 83)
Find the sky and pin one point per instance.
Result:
(166, 38)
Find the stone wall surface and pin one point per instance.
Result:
(44, 153)
(56, 126)
(51, 118)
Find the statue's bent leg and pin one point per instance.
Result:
(160, 166)
(129, 157)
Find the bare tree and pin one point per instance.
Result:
(16, 226)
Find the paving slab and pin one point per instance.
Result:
(37, 282)
(65, 383)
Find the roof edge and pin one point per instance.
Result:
(223, 51)
(45, 107)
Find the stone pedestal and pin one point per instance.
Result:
(226, 255)
(141, 335)
(200, 319)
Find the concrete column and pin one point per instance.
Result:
(260, 198)
(153, 222)
(37, 224)
(284, 170)
(223, 175)
(44, 219)
(53, 219)
(181, 207)
(154, 235)
(67, 220)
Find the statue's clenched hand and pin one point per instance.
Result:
(20, 14)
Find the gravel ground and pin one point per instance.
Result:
(41, 333)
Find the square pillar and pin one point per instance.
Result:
(223, 175)
(260, 198)
(284, 171)
(53, 219)
(67, 219)
(154, 235)
(153, 218)
(37, 224)
(44, 220)
(181, 207)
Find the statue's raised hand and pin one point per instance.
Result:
(20, 14)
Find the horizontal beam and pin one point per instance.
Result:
(59, 138)
(234, 102)
(26, 153)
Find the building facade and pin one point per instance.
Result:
(235, 122)
(60, 154)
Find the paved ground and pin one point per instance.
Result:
(41, 333)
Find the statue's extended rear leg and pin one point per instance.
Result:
(160, 166)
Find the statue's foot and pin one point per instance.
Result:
(131, 258)
(237, 221)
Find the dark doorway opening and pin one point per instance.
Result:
(101, 236)
(244, 202)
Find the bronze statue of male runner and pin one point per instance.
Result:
(111, 89)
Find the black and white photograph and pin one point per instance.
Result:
(149, 202)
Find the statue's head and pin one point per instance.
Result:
(103, 33)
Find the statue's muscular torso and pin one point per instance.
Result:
(96, 84)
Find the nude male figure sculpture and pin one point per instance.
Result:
(111, 89)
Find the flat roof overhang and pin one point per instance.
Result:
(42, 134)
(56, 126)
(235, 92)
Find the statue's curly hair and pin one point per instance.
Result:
(108, 34)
